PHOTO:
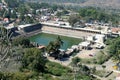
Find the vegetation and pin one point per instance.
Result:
(86, 13)
(12, 76)
(54, 46)
(75, 61)
(38, 6)
(13, 3)
(100, 58)
(24, 42)
(73, 19)
(90, 14)
(33, 60)
(63, 1)
(56, 69)
(62, 13)
(115, 49)
(33, 64)
(5, 43)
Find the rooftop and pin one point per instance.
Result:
(115, 30)
(84, 43)
(22, 26)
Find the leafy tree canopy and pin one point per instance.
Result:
(33, 60)
(21, 41)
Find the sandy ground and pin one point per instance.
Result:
(81, 54)
(87, 53)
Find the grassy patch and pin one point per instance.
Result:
(101, 73)
(100, 58)
(57, 69)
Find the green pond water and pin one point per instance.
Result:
(44, 39)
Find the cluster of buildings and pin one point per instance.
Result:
(90, 42)
(105, 28)
(2, 6)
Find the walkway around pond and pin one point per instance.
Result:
(66, 32)
(59, 31)
(28, 34)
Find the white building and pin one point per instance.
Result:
(99, 38)
(21, 27)
(84, 45)
(90, 38)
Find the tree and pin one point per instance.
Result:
(83, 69)
(58, 43)
(13, 3)
(64, 12)
(29, 19)
(73, 19)
(78, 68)
(75, 61)
(54, 7)
(59, 14)
(116, 56)
(13, 14)
(24, 42)
(23, 9)
(115, 47)
(5, 43)
(33, 60)
(54, 46)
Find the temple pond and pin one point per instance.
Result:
(44, 39)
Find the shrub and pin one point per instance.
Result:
(57, 69)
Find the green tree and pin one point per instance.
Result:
(75, 61)
(59, 14)
(23, 9)
(54, 46)
(116, 56)
(73, 19)
(34, 60)
(29, 19)
(74, 64)
(5, 44)
(114, 49)
(24, 42)
(115, 46)
(13, 3)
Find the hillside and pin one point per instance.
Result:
(98, 3)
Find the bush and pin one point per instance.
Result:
(33, 60)
(101, 59)
(24, 42)
(56, 69)
(13, 76)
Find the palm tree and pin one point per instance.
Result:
(50, 47)
(54, 46)
(58, 43)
